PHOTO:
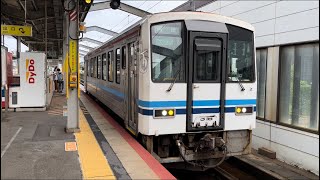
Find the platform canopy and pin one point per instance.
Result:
(13, 12)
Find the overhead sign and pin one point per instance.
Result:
(14, 30)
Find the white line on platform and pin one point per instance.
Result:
(11, 140)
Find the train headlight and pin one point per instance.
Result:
(244, 110)
(163, 113)
(171, 112)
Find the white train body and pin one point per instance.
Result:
(181, 76)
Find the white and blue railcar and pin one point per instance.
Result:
(183, 81)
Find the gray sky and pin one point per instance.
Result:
(114, 20)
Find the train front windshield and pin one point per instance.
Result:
(168, 54)
(240, 55)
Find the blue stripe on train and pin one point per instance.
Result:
(149, 112)
(157, 104)
(164, 104)
(109, 90)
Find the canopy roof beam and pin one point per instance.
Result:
(82, 51)
(86, 47)
(102, 30)
(91, 41)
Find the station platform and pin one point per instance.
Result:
(35, 145)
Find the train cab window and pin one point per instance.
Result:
(118, 66)
(104, 66)
(167, 60)
(123, 57)
(99, 67)
(110, 66)
(91, 67)
(240, 55)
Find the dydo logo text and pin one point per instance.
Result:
(30, 71)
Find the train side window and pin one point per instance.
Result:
(95, 67)
(91, 67)
(118, 66)
(130, 54)
(104, 67)
(124, 57)
(110, 66)
(88, 68)
(99, 67)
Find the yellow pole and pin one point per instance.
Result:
(65, 68)
(79, 76)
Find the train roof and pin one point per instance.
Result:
(175, 16)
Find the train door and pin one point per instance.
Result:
(132, 89)
(206, 81)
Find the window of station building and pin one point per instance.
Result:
(104, 66)
(123, 57)
(240, 55)
(118, 66)
(299, 86)
(91, 67)
(99, 67)
(167, 60)
(261, 57)
(110, 66)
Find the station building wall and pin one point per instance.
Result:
(287, 41)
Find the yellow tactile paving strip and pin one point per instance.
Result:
(94, 165)
(135, 166)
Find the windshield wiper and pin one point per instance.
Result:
(240, 84)
(175, 78)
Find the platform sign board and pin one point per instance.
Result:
(73, 56)
(14, 30)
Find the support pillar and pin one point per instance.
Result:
(72, 93)
(46, 45)
(18, 53)
(65, 50)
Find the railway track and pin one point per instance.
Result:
(231, 169)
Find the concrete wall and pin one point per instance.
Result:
(278, 23)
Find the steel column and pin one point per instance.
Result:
(65, 49)
(46, 44)
(18, 53)
(73, 101)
